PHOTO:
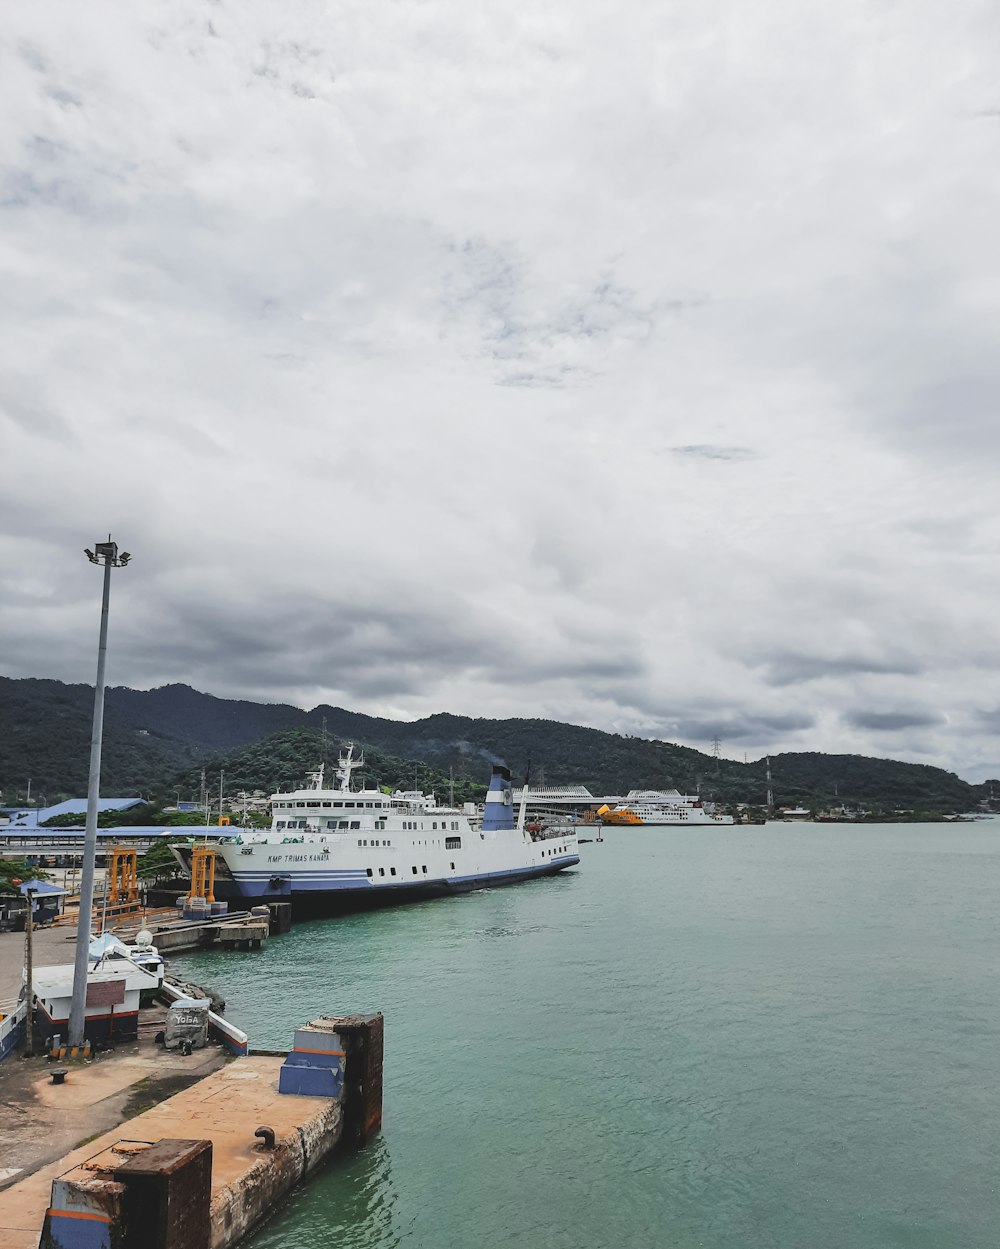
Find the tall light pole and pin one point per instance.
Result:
(105, 553)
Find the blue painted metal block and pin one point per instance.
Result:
(330, 1061)
(311, 1081)
(84, 1212)
(316, 1065)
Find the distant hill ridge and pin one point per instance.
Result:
(154, 736)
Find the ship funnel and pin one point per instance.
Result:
(499, 810)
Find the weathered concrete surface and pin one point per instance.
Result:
(42, 1122)
(226, 1108)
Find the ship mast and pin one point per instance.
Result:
(347, 764)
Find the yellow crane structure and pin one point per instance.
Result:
(123, 876)
(203, 873)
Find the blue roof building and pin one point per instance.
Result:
(41, 887)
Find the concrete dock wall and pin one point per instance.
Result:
(239, 1206)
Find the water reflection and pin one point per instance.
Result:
(350, 1203)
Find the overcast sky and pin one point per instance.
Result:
(630, 365)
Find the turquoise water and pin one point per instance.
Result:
(722, 1038)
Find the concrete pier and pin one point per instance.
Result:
(231, 1145)
(173, 935)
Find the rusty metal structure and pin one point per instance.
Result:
(135, 1195)
(363, 1040)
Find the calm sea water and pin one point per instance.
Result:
(728, 1038)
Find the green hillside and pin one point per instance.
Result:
(157, 741)
(283, 761)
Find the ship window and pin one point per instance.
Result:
(434, 825)
(326, 804)
(338, 804)
(453, 843)
(369, 804)
(414, 871)
(331, 823)
(364, 843)
(381, 871)
(341, 823)
(425, 869)
(281, 824)
(300, 804)
(392, 871)
(348, 804)
(359, 841)
(355, 823)
(368, 871)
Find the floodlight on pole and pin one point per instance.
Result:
(105, 553)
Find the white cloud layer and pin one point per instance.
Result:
(629, 366)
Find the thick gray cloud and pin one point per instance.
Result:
(794, 669)
(891, 721)
(634, 367)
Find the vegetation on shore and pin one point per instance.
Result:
(157, 742)
(13, 872)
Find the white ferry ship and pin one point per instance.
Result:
(344, 848)
(660, 808)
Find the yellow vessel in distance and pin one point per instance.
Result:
(620, 815)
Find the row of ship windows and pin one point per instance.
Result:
(338, 824)
(407, 824)
(314, 806)
(392, 870)
(450, 843)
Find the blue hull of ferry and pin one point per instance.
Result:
(334, 890)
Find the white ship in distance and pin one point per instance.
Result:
(660, 808)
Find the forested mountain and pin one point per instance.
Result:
(158, 740)
(283, 761)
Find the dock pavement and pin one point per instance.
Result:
(49, 947)
(41, 1122)
(226, 1108)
